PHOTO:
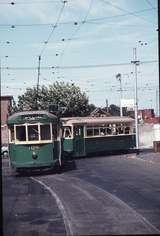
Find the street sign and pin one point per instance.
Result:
(127, 103)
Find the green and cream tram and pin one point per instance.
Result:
(34, 140)
(83, 136)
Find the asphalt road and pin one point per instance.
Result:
(92, 196)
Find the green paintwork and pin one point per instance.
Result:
(67, 145)
(113, 143)
(21, 155)
(87, 146)
(31, 117)
(79, 141)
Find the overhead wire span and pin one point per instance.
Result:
(124, 10)
(54, 26)
(149, 3)
(30, 2)
(77, 67)
(77, 29)
(92, 20)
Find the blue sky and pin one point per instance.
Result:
(88, 32)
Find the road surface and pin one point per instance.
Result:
(117, 194)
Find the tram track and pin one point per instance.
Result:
(88, 209)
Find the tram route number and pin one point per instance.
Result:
(34, 147)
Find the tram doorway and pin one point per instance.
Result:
(79, 142)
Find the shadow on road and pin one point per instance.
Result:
(68, 165)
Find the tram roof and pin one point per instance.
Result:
(96, 120)
(31, 117)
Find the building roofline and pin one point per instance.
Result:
(7, 96)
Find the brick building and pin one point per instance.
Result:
(6, 103)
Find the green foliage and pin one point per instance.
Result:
(65, 95)
(115, 110)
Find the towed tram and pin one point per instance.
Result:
(39, 139)
(83, 136)
(34, 140)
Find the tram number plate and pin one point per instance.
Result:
(34, 147)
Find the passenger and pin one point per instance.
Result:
(67, 134)
(114, 132)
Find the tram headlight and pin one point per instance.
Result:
(34, 155)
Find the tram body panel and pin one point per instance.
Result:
(104, 144)
(33, 140)
(32, 155)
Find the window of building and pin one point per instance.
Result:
(20, 133)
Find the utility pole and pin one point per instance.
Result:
(119, 77)
(136, 63)
(39, 66)
(158, 3)
(157, 110)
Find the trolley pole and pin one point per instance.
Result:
(39, 66)
(136, 63)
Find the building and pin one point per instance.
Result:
(100, 112)
(6, 104)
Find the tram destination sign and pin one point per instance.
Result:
(33, 117)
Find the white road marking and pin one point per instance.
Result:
(60, 206)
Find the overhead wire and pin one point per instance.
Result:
(92, 20)
(149, 3)
(76, 31)
(124, 10)
(54, 26)
(78, 66)
(31, 2)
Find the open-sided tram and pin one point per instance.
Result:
(83, 136)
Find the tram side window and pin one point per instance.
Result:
(45, 132)
(33, 133)
(102, 131)
(96, 131)
(12, 133)
(127, 130)
(20, 133)
(109, 129)
(67, 132)
(120, 129)
(90, 132)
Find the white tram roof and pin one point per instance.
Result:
(96, 120)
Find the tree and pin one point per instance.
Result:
(115, 110)
(66, 95)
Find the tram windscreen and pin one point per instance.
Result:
(33, 133)
(21, 133)
(45, 132)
